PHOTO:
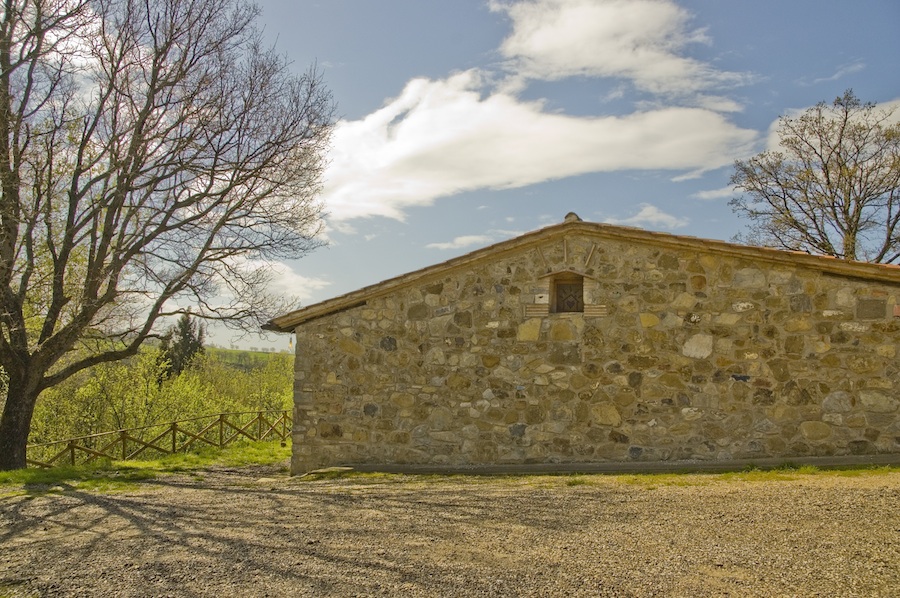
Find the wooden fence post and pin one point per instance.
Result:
(174, 437)
(72, 451)
(221, 430)
(123, 435)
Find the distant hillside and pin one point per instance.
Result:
(245, 360)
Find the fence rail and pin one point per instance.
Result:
(163, 439)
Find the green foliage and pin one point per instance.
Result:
(243, 360)
(135, 393)
(181, 345)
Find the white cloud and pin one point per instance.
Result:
(843, 71)
(506, 233)
(342, 227)
(720, 193)
(463, 241)
(652, 217)
(270, 278)
(439, 138)
(717, 103)
(285, 282)
(472, 130)
(637, 40)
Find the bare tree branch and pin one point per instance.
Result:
(833, 189)
(153, 156)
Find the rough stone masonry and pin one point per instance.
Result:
(590, 343)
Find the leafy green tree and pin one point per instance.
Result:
(109, 396)
(833, 188)
(153, 155)
(128, 393)
(181, 345)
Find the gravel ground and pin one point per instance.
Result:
(257, 532)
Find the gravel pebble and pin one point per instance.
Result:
(256, 532)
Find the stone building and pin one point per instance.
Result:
(585, 343)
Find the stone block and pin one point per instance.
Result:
(838, 402)
(871, 309)
(605, 414)
(351, 347)
(565, 354)
(490, 361)
(649, 320)
(419, 311)
(684, 301)
(888, 351)
(749, 278)
(798, 324)
(562, 330)
(403, 399)
(529, 330)
(801, 303)
(854, 327)
(691, 413)
(328, 430)
(699, 346)
(727, 319)
(877, 402)
(815, 430)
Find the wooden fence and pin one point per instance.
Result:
(163, 439)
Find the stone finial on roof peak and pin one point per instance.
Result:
(572, 217)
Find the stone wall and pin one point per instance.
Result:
(680, 354)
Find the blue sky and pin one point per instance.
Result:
(467, 122)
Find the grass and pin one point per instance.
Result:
(111, 476)
(124, 475)
(784, 473)
(649, 481)
(251, 453)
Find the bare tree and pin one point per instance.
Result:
(153, 155)
(833, 189)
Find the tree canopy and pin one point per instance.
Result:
(833, 187)
(181, 344)
(154, 155)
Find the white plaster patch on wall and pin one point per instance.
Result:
(742, 306)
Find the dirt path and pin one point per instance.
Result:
(255, 532)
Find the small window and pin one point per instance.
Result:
(568, 293)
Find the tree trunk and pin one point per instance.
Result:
(15, 424)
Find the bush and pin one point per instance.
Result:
(135, 393)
